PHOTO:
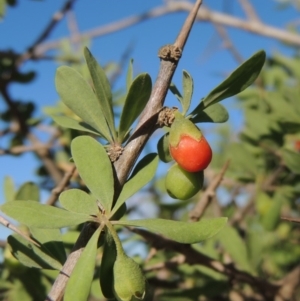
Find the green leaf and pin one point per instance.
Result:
(102, 89)
(30, 255)
(235, 246)
(291, 160)
(28, 192)
(107, 263)
(214, 113)
(175, 92)
(78, 201)
(129, 76)
(188, 87)
(238, 80)
(77, 94)
(141, 175)
(94, 168)
(50, 239)
(136, 99)
(79, 284)
(33, 214)
(183, 232)
(163, 149)
(9, 189)
(68, 122)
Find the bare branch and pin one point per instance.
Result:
(208, 195)
(249, 10)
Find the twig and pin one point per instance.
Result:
(291, 219)
(60, 187)
(131, 152)
(208, 195)
(7, 224)
(192, 257)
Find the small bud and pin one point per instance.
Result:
(129, 281)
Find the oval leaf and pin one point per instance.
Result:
(183, 232)
(33, 214)
(136, 99)
(102, 89)
(71, 123)
(28, 192)
(215, 113)
(78, 201)
(79, 284)
(94, 168)
(141, 175)
(77, 94)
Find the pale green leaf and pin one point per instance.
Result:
(78, 201)
(9, 189)
(188, 87)
(94, 168)
(68, 122)
(291, 160)
(136, 100)
(142, 174)
(183, 232)
(33, 214)
(28, 192)
(79, 284)
(102, 89)
(175, 92)
(129, 76)
(214, 113)
(30, 255)
(77, 94)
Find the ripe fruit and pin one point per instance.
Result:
(188, 146)
(181, 184)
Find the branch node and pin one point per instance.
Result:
(170, 53)
(166, 116)
(114, 152)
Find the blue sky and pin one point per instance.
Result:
(204, 58)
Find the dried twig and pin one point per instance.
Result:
(208, 195)
(60, 187)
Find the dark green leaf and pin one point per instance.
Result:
(142, 174)
(30, 255)
(71, 123)
(77, 94)
(188, 87)
(238, 80)
(28, 192)
(78, 201)
(163, 149)
(33, 214)
(94, 168)
(106, 270)
(291, 160)
(79, 284)
(183, 232)
(136, 99)
(214, 113)
(102, 89)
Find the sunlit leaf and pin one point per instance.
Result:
(9, 189)
(214, 113)
(94, 168)
(78, 201)
(102, 89)
(71, 123)
(77, 94)
(33, 214)
(79, 284)
(136, 100)
(28, 192)
(183, 232)
(141, 175)
(188, 87)
(129, 76)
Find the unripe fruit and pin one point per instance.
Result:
(188, 146)
(129, 281)
(181, 184)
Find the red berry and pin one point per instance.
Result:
(191, 154)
